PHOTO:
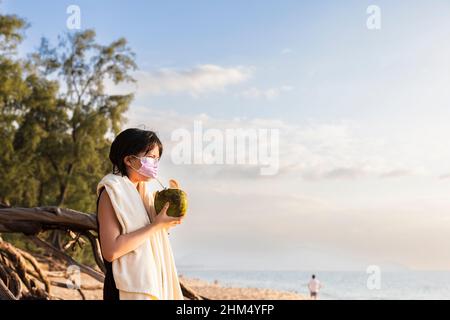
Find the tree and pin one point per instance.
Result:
(56, 117)
(13, 90)
(76, 143)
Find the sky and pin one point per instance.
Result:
(362, 116)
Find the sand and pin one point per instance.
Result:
(93, 289)
(217, 291)
(213, 291)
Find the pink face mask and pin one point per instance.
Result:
(149, 167)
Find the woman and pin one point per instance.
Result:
(133, 237)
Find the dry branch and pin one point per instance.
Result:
(31, 222)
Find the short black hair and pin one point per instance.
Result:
(131, 142)
(313, 276)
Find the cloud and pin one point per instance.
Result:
(344, 173)
(193, 81)
(396, 173)
(286, 51)
(310, 151)
(323, 196)
(269, 94)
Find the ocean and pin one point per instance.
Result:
(338, 285)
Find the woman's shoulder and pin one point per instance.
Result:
(102, 195)
(109, 179)
(112, 177)
(104, 203)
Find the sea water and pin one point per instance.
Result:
(337, 284)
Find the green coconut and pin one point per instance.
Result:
(177, 199)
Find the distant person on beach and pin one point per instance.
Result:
(314, 286)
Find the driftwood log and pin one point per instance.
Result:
(19, 270)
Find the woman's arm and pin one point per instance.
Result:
(113, 243)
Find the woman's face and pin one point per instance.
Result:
(135, 163)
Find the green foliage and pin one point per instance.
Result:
(56, 117)
(13, 90)
(11, 28)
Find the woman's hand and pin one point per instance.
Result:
(164, 221)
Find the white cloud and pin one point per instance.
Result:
(341, 202)
(312, 151)
(194, 81)
(271, 93)
(396, 173)
(340, 150)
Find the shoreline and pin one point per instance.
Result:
(93, 290)
(218, 291)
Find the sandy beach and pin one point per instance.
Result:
(217, 291)
(92, 290)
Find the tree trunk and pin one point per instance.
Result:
(31, 222)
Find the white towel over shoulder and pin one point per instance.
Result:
(150, 268)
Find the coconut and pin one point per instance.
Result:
(175, 196)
